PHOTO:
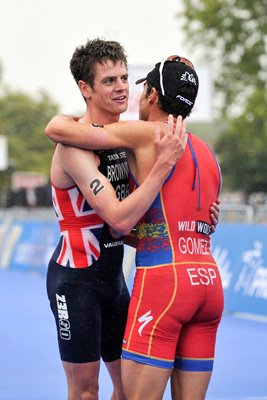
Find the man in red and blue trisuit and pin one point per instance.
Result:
(174, 264)
(177, 299)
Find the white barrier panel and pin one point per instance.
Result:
(3, 153)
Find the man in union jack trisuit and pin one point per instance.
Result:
(85, 282)
(177, 299)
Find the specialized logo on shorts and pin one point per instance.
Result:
(146, 318)
(63, 318)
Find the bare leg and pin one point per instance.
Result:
(141, 381)
(114, 369)
(82, 379)
(187, 385)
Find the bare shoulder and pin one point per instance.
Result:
(72, 151)
(133, 134)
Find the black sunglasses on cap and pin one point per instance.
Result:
(174, 58)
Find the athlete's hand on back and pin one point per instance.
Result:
(214, 214)
(170, 141)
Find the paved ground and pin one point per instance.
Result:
(30, 368)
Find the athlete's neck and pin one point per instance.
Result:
(158, 115)
(97, 117)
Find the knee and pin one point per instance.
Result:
(89, 395)
(85, 394)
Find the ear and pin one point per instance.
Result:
(85, 89)
(153, 96)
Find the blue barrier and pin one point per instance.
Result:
(239, 249)
(241, 253)
(27, 245)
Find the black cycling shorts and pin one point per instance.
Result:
(90, 309)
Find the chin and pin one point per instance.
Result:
(122, 109)
(142, 117)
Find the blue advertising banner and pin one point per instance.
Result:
(27, 245)
(239, 249)
(241, 253)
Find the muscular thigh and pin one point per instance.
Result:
(76, 308)
(114, 309)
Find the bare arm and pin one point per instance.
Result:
(131, 134)
(123, 215)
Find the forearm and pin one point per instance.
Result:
(169, 150)
(129, 211)
(66, 130)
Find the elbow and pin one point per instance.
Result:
(51, 132)
(118, 219)
(122, 227)
(48, 131)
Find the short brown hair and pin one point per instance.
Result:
(82, 63)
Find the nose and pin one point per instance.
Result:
(122, 84)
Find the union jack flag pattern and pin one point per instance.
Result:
(80, 229)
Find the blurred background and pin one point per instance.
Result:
(227, 42)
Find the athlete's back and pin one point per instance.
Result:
(177, 297)
(176, 228)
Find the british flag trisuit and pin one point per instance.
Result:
(85, 282)
(177, 299)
